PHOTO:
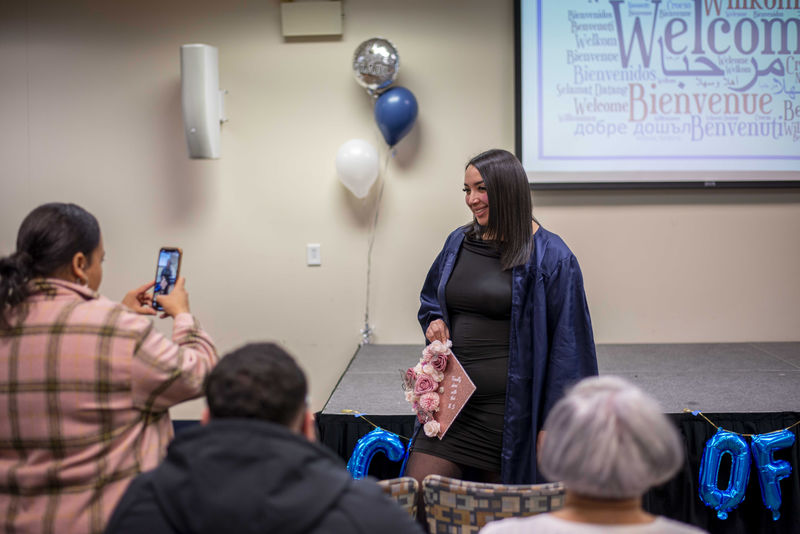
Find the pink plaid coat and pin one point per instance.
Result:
(85, 385)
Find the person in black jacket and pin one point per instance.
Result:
(253, 467)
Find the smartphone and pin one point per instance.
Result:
(168, 268)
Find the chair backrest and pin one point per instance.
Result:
(404, 490)
(456, 506)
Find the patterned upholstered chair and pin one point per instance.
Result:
(403, 490)
(456, 506)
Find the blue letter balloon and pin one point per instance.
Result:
(395, 113)
(770, 472)
(720, 444)
(379, 440)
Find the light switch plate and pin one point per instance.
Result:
(313, 256)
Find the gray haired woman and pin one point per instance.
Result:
(609, 442)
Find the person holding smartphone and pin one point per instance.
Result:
(85, 383)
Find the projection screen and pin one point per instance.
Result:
(650, 93)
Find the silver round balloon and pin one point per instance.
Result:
(375, 64)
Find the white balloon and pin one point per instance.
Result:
(357, 166)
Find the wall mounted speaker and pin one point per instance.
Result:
(201, 99)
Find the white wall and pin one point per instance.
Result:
(90, 100)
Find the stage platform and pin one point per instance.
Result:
(710, 377)
(751, 388)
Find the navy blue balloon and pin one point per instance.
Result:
(395, 113)
(379, 440)
(724, 443)
(770, 472)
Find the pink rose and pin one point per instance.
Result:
(428, 369)
(434, 348)
(431, 428)
(429, 402)
(439, 361)
(409, 378)
(438, 346)
(425, 384)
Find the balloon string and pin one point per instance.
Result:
(701, 414)
(366, 333)
(360, 415)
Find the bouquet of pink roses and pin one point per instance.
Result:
(422, 384)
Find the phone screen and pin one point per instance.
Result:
(167, 270)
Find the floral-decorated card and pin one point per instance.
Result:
(458, 388)
(438, 387)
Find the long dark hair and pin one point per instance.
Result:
(47, 240)
(510, 214)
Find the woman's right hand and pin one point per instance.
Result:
(139, 299)
(437, 330)
(177, 301)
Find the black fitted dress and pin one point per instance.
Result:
(478, 298)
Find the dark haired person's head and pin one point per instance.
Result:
(503, 212)
(55, 240)
(258, 381)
